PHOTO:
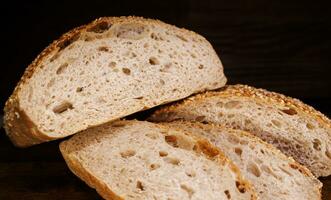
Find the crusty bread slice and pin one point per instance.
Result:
(142, 160)
(106, 70)
(272, 174)
(296, 129)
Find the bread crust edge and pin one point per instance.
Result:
(77, 169)
(250, 92)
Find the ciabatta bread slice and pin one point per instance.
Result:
(297, 129)
(106, 70)
(142, 160)
(273, 175)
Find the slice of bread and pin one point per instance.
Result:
(272, 174)
(296, 129)
(142, 160)
(106, 70)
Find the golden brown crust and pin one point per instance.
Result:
(19, 127)
(258, 94)
(19, 133)
(87, 177)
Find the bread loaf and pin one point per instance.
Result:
(273, 175)
(297, 129)
(108, 69)
(142, 160)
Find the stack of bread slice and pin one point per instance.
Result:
(213, 145)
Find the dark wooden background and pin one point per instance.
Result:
(284, 46)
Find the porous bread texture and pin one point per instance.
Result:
(142, 160)
(108, 69)
(297, 129)
(272, 174)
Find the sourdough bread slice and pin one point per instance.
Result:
(142, 160)
(272, 174)
(298, 130)
(108, 69)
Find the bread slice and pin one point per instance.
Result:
(108, 69)
(298, 130)
(142, 160)
(272, 174)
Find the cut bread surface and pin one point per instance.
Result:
(106, 70)
(142, 160)
(272, 174)
(298, 130)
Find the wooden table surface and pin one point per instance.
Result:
(281, 46)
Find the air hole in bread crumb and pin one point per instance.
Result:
(156, 37)
(285, 171)
(268, 170)
(51, 83)
(79, 89)
(232, 104)
(128, 153)
(276, 123)
(126, 71)
(231, 116)
(289, 111)
(188, 189)
(63, 107)
(238, 151)
(181, 38)
(162, 82)
(233, 139)
(200, 118)
(112, 64)
(163, 153)
(100, 27)
(103, 48)
(310, 126)
(61, 69)
(140, 186)
(173, 161)
(154, 166)
(133, 31)
(152, 135)
(67, 41)
(56, 56)
(297, 167)
(153, 61)
(200, 66)
(227, 193)
(317, 144)
(253, 169)
(190, 173)
(328, 153)
(146, 45)
(171, 140)
(241, 187)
